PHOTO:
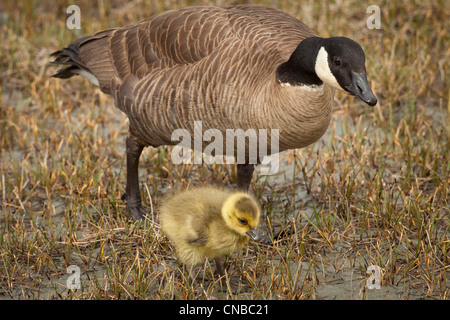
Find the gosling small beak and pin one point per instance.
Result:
(361, 88)
(253, 233)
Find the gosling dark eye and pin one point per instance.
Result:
(243, 222)
(337, 61)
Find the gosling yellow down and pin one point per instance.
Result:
(209, 222)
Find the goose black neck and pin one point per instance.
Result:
(299, 69)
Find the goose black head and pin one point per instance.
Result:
(337, 61)
(341, 62)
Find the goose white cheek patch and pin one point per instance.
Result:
(323, 69)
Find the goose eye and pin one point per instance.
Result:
(337, 61)
(243, 221)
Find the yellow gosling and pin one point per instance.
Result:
(209, 222)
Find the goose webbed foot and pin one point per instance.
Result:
(137, 211)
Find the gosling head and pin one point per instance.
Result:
(241, 214)
(338, 61)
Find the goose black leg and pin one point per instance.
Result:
(133, 193)
(244, 175)
(244, 178)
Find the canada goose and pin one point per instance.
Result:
(209, 222)
(240, 67)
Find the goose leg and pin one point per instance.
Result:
(133, 193)
(244, 175)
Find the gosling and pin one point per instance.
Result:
(209, 222)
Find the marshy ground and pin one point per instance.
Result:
(373, 191)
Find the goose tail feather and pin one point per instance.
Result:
(88, 57)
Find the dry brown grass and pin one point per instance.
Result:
(373, 191)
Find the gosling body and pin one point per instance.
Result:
(208, 222)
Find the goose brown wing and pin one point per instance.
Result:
(176, 37)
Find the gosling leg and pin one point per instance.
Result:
(133, 193)
(244, 175)
(219, 267)
(221, 273)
